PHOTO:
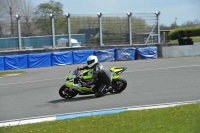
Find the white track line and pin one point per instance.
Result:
(166, 68)
(31, 81)
(9, 75)
(82, 114)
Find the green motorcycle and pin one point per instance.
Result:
(73, 87)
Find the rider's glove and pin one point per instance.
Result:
(79, 68)
(83, 84)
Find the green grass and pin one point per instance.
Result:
(3, 73)
(196, 39)
(179, 119)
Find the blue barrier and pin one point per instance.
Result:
(39, 60)
(147, 53)
(125, 54)
(106, 55)
(80, 56)
(62, 58)
(16, 62)
(74, 57)
(2, 63)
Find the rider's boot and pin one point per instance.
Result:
(101, 91)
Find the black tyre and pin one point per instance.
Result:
(65, 92)
(118, 85)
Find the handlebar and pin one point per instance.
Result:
(78, 74)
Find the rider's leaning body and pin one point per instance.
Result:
(101, 77)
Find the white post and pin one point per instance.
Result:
(19, 31)
(158, 24)
(69, 29)
(130, 27)
(100, 28)
(164, 37)
(53, 30)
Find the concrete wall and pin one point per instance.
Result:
(179, 51)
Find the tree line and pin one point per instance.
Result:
(174, 25)
(35, 20)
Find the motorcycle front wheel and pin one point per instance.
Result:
(118, 85)
(66, 93)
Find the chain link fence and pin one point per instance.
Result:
(115, 29)
(143, 25)
(8, 33)
(81, 29)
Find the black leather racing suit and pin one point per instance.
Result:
(101, 78)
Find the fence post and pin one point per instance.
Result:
(19, 31)
(53, 30)
(164, 37)
(158, 24)
(100, 28)
(69, 29)
(130, 27)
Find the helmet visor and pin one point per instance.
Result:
(90, 62)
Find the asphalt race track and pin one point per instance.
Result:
(149, 82)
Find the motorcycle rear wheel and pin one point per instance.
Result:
(118, 85)
(64, 92)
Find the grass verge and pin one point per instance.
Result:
(179, 119)
(196, 39)
(11, 72)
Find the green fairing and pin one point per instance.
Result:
(69, 75)
(115, 71)
(87, 74)
(70, 84)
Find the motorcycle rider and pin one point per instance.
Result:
(101, 76)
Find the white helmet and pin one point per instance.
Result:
(91, 61)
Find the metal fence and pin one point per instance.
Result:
(84, 30)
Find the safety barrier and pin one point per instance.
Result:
(62, 58)
(147, 53)
(125, 54)
(2, 63)
(36, 60)
(15, 62)
(106, 55)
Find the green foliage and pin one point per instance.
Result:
(55, 8)
(196, 39)
(61, 26)
(44, 9)
(138, 25)
(95, 40)
(173, 35)
(44, 25)
(114, 24)
(110, 24)
(113, 38)
(83, 22)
